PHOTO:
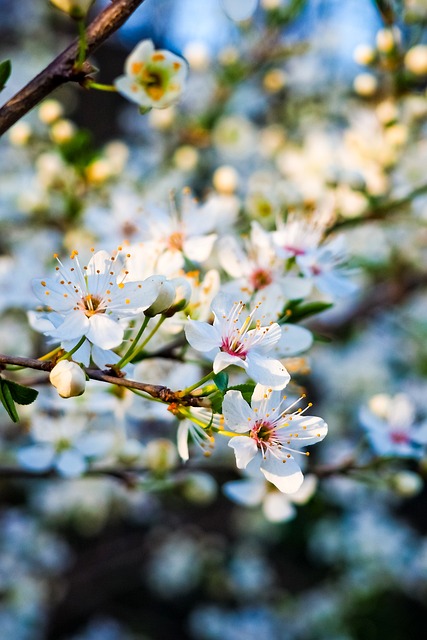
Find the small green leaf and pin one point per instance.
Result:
(221, 380)
(21, 394)
(305, 310)
(7, 400)
(5, 71)
(216, 401)
(246, 390)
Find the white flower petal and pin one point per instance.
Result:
(76, 325)
(202, 336)
(284, 474)
(70, 464)
(278, 508)
(239, 9)
(199, 248)
(245, 449)
(267, 371)
(306, 430)
(37, 457)
(294, 340)
(182, 440)
(224, 360)
(238, 415)
(141, 53)
(245, 492)
(104, 332)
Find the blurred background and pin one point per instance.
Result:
(301, 118)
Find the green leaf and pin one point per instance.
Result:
(5, 71)
(7, 400)
(246, 389)
(216, 400)
(21, 394)
(221, 380)
(302, 311)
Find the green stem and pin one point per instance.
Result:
(48, 356)
(188, 390)
(126, 357)
(100, 87)
(146, 341)
(81, 56)
(67, 355)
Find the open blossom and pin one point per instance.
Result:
(392, 428)
(232, 341)
(153, 78)
(91, 301)
(272, 433)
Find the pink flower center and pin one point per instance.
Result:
(399, 437)
(260, 278)
(262, 432)
(297, 251)
(234, 348)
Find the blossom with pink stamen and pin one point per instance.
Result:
(236, 339)
(272, 432)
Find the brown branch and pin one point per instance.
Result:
(63, 69)
(155, 391)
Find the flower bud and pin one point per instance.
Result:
(161, 455)
(68, 378)
(77, 9)
(50, 111)
(416, 60)
(182, 296)
(165, 297)
(364, 54)
(385, 40)
(20, 134)
(407, 484)
(365, 84)
(225, 179)
(199, 488)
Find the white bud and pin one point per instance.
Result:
(197, 55)
(364, 54)
(50, 111)
(387, 111)
(165, 296)
(75, 8)
(186, 157)
(407, 483)
(20, 134)
(416, 60)
(225, 179)
(365, 84)
(62, 131)
(161, 455)
(385, 40)
(199, 488)
(182, 296)
(68, 378)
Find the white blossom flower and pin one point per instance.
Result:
(392, 428)
(172, 237)
(231, 341)
(153, 78)
(91, 301)
(75, 8)
(257, 268)
(271, 433)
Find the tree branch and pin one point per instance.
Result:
(63, 69)
(155, 391)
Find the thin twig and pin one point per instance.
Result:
(64, 68)
(156, 391)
